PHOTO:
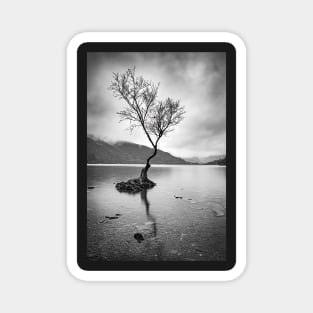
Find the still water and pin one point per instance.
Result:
(183, 218)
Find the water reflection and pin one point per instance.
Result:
(150, 217)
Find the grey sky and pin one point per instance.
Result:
(197, 79)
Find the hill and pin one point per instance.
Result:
(102, 152)
(204, 160)
(217, 162)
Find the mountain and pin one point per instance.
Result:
(102, 152)
(221, 161)
(195, 160)
(204, 160)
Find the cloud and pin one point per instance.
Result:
(198, 79)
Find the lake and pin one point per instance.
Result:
(183, 218)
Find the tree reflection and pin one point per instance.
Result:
(151, 218)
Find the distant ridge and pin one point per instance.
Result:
(102, 152)
(217, 162)
(205, 160)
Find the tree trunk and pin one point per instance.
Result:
(141, 183)
(144, 171)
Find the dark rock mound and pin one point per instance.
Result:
(135, 185)
(139, 237)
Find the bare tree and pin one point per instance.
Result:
(156, 118)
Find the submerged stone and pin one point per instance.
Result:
(112, 217)
(139, 237)
(178, 197)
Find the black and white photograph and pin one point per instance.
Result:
(156, 156)
(151, 156)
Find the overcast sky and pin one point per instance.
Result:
(196, 79)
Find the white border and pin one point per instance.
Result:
(73, 45)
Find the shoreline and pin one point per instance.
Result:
(154, 165)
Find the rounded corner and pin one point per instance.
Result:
(230, 265)
(236, 270)
(235, 41)
(77, 41)
(76, 271)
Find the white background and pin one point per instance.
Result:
(279, 271)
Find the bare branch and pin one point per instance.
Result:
(157, 118)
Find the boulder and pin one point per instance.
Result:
(135, 185)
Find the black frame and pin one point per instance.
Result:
(82, 259)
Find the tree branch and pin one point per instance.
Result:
(156, 118)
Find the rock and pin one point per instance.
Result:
(139, 237)
(91, 187)
(135, 185)
(178, 197)
(218, 209)
(218, 212)
(111, 217)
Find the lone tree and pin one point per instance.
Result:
(156, 118)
